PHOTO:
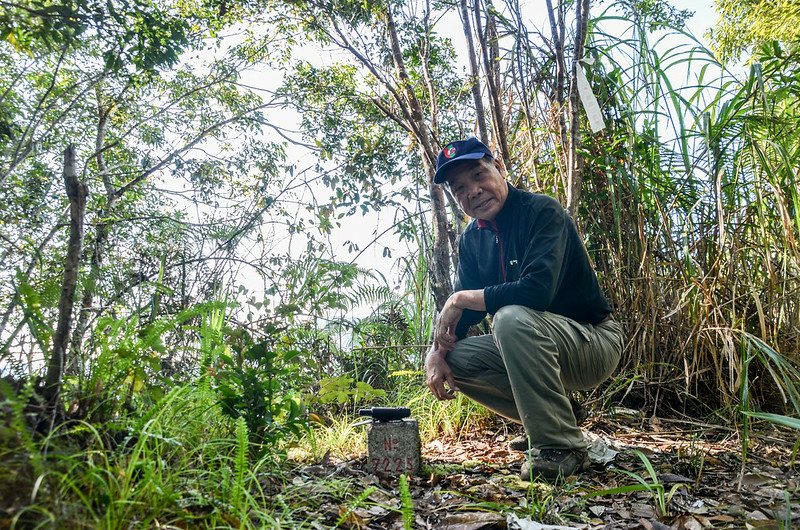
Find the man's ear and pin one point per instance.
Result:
(498, 163)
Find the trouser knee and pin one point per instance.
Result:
(511, 320)
(473, 356)
(459, 362)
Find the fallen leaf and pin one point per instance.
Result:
(687, 522)
(698, 506)
(703, 521)
(755, 479)
(722, 518)
(653, 525)
(515, 523)
(771, 493)
(318, 470)
(350, 518)
(600, 451)
(756, 515)
(623, 411)
(377, 511)
(764, 525)
(472, 521)
(643, 511)
(671, 478)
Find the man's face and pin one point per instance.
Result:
(479, 187)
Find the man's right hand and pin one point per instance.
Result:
(438, 373)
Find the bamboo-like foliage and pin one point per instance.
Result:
(690, 206)
(689, 199)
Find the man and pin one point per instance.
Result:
(521, 260)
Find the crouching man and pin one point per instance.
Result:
(522, 260)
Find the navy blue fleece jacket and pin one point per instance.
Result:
(530, 255)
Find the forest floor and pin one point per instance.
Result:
(696, 475)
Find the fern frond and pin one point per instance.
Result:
(371, 294)
(406, 504)
(240, 462)
(357, 502)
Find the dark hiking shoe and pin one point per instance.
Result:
(554, 465)
(520, 443)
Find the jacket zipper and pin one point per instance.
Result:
(492, 225)
(502, 255)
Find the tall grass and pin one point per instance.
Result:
(185, 464)
(691, 210)
(689, 206)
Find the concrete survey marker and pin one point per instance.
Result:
(393, 446)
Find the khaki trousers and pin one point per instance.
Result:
(524, 370)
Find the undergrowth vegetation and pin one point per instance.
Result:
(211, 451)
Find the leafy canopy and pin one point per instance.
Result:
(138, 33)
(744, 24)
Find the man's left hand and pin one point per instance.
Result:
(445, 336)
(446, 325)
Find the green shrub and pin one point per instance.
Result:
(255, 382)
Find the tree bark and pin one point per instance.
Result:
(441, 284)
(100, 235)
(575, 168)
(474, 74)
(490, 52)
(77, 193)
(426, 70)
(557, 30)
(523, 54)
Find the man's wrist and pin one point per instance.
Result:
(432, 354)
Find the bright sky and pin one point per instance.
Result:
(704, 16)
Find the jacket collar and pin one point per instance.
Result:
(504, 215)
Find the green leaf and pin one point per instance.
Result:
(780, 419)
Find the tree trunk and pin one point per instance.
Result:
(474, 74)
(575, 167)
(495, 84)
(425, 57)
(77, 193)
(523, 54)
(442, 285)
(558, 31)
(101, 233)
(490, 49)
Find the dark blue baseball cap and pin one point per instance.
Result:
(469, 149)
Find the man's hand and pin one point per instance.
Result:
(445, 336)
(444, 340)
(438, 373)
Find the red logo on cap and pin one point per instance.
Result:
(449, 151)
